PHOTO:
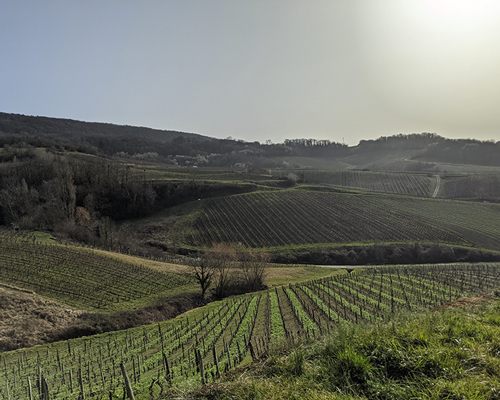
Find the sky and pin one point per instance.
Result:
(258, 70)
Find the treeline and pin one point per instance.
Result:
(384, 254)
(399, 141)
(72, 129)
(435, 148)
(82, 197)
(463, 151)
(316, 148)
(170, 147)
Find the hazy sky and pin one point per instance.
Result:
(258, 69)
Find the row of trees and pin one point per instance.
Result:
(229, 269)
(416, 253)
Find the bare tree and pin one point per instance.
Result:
(231, 269)
(203, 271)
(223, 256)
(253, 267)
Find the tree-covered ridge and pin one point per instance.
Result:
(187, 149)
(434, 148)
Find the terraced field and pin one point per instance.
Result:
(300, 217)
(385, 182)
(200, 345)
(80, 277)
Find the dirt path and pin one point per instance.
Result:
(438, 184)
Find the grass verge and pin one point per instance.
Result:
(450, 354)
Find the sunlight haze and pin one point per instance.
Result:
(258, 70)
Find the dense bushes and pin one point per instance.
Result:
(384, 254)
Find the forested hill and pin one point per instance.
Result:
(397, 152)
(72, 129)
(170, 147)
(430, 147)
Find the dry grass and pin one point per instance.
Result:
(284, 275)
(464, 302)
(157, 265)
(27, 319)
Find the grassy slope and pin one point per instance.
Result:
(301, 217)
(452, 354)
(27, 319)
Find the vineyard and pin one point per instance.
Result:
(298, 217)
(472, 187)
(386, 182)
(79, 276)
(478, 223)
(200, 345)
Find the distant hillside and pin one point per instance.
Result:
(429, 147)
(71, 129)
(403, 152)
(169, 147)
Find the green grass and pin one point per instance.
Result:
(453, 354)
(286, 274)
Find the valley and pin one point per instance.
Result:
(110, 233)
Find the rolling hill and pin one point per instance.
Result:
(306, 216)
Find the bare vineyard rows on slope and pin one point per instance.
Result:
(294, 217)
(384, 182)
(206, 342)
(78, 276)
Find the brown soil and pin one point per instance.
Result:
(27, 319)
(464, 302)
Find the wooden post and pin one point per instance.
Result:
(200, 364)
(45, 389)
(228, 355)
(128, 386)
(30, 394)
(216, 362)
(167, 369)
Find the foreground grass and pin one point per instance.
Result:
(451, 354)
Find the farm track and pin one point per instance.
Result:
(438, 184)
